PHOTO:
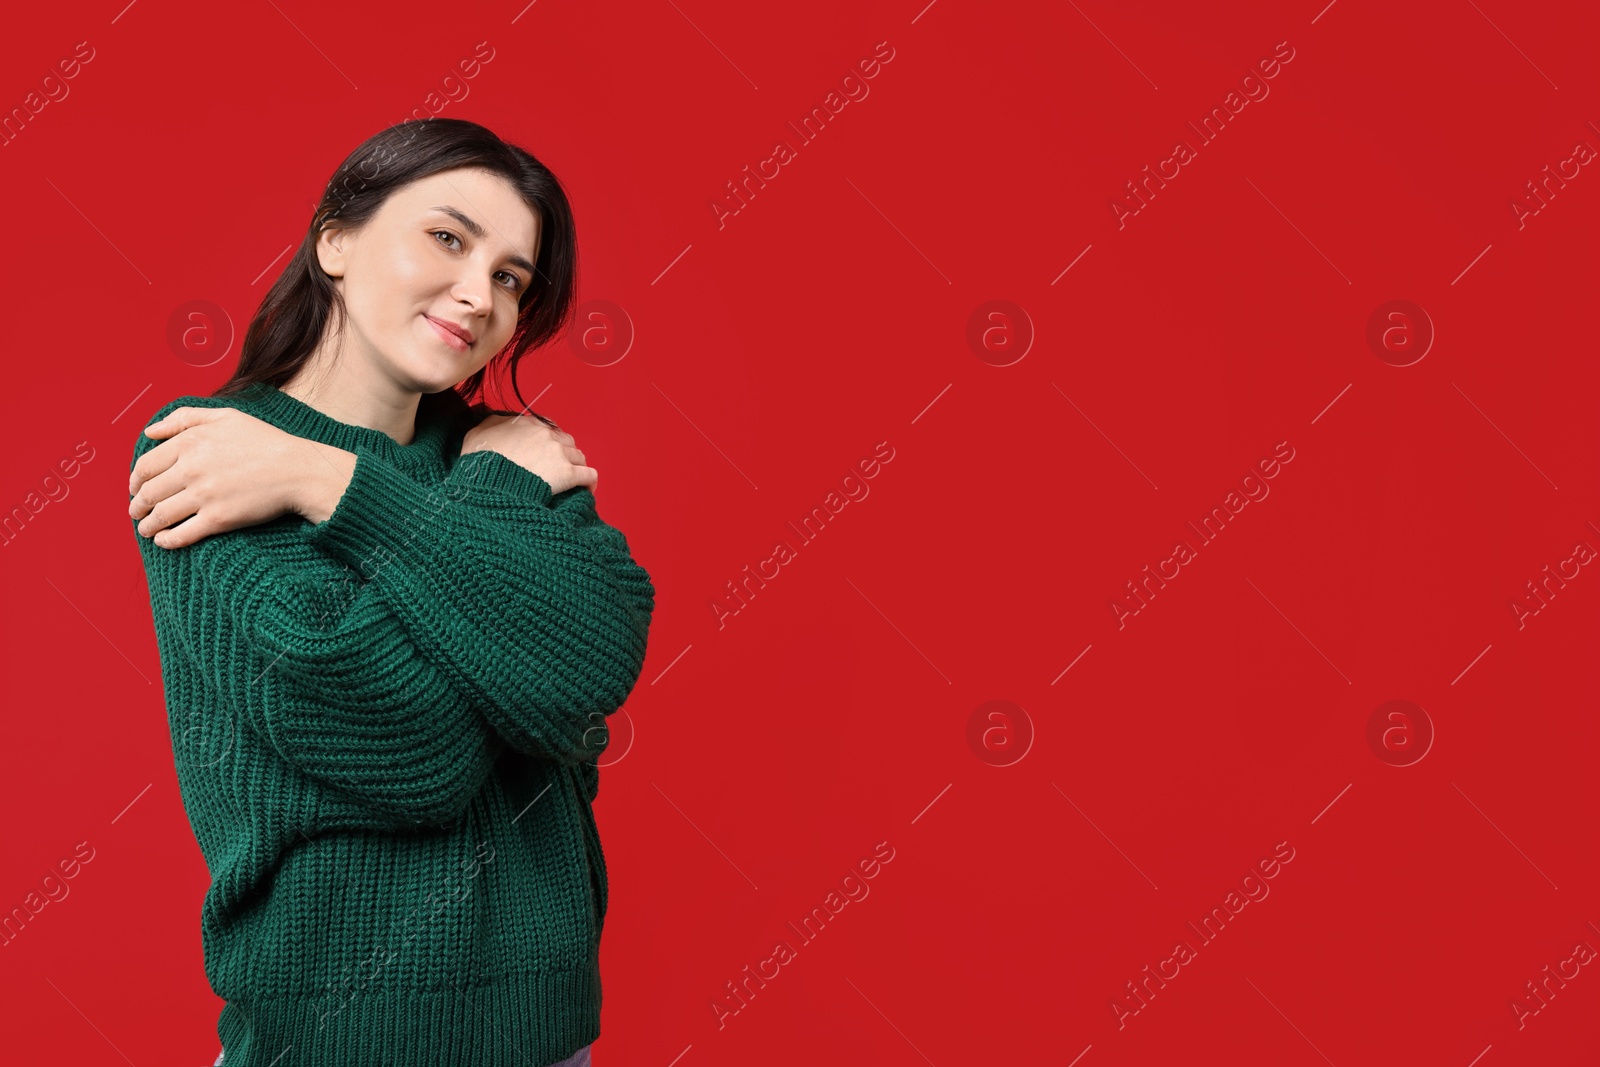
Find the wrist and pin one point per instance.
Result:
(326, 474)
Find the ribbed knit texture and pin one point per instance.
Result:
(384, 727)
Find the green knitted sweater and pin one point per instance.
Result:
(385, 728)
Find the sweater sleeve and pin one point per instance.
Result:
(535, 612)
(576, 507)
(516, 495)
(337, 693)
(325, 674)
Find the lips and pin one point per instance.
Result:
(458, 337)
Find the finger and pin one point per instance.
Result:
(168, 512)
(152, 491)
(180, 419)
(173, 421)
(183, 536)
(154, 462)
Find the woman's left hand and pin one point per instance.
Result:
(218, 469)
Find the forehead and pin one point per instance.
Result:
(484, 197)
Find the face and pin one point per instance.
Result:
(445, 255)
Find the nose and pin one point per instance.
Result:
(475, 288)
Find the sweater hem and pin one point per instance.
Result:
(514, 1021)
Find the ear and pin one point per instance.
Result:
(332, 248)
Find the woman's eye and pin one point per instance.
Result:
(515, 284)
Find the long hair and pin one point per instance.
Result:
(290, 322)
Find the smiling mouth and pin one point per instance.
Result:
(448, 336)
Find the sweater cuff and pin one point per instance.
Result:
(382, 515)
(493, 470)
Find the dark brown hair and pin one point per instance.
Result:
(289, 324)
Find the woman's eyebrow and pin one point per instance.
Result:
(470, 224)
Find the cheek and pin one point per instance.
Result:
(387, 304)
(500, 331)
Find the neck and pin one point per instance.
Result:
(345, 389)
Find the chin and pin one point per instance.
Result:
(439, 385)
(434, 375)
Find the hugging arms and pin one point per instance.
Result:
(221, 469)
(491, 612)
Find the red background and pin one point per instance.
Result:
(772, 354)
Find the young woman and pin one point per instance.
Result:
(391, 628)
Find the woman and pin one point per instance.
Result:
(391, 628)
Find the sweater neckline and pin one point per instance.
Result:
(295, 416)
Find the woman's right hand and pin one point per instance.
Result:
(535, 445)
(219, 469)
